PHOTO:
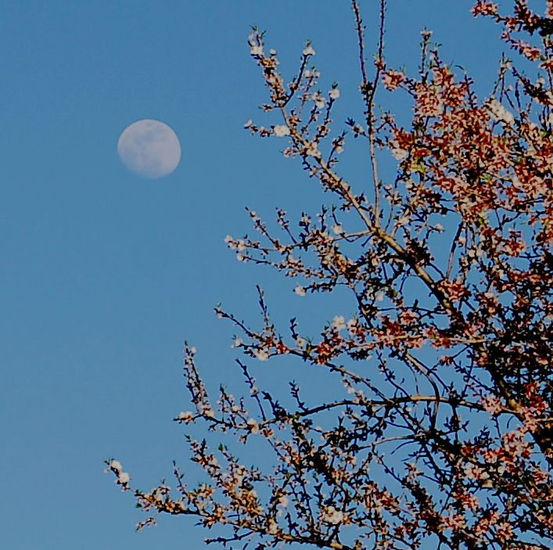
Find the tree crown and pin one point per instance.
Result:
(440, 430)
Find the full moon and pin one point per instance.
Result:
(149, 148)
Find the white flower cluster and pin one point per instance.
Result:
(237, 342)
(399, 154)
(312, 73)
(206, 411)
(186, 417)
(331, 515)
(281, 130)
(272, 526)
(339, 323)
(237, 244)
(253, 425)
(499, 112)
(319, 100)
(123, 478)
(311, 150)
(261, 355)
(256, 47)
(334, 93)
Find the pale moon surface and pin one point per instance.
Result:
(149, 148)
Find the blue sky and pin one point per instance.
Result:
(104, 274)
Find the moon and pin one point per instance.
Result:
(149, 148)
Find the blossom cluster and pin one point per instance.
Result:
(439, 431)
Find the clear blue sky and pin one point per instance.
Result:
(104, 274)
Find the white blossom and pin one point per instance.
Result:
(319, 100)
(299, 290)
(115, 465)
(256, 50)
(334, 93)
(261, 355)
(123, 477)
(281, 130)
(331, 515)
(309, 50)
(398, 153)
(312, 74)
(185, 416)
(272, 526)
(499, 112)
(312, 150)
(237, 342)
(339, 145)
(339, 323)
(254, 427)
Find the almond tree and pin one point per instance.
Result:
(440, 432)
